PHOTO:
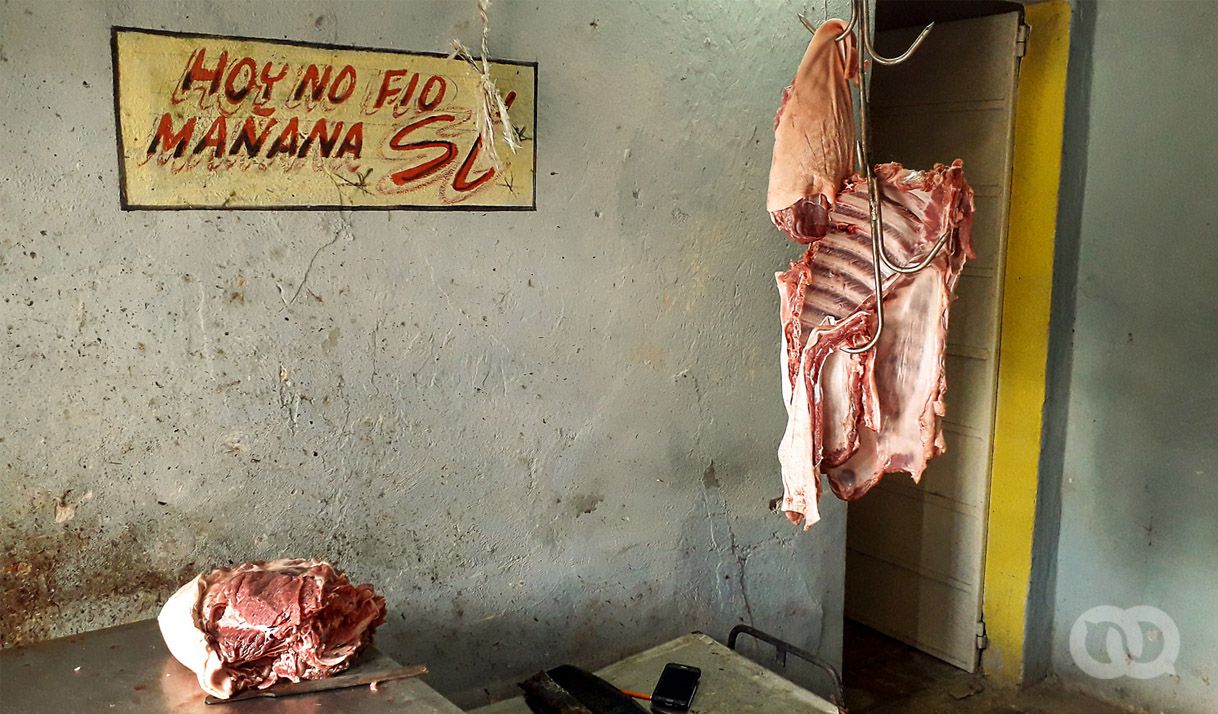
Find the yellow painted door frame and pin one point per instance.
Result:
(1023, 351)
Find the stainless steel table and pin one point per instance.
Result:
(730, 684)
(129, 669)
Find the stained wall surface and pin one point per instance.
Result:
(1139, 492)
(545, 436)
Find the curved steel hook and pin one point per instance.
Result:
(889, 61)
(879, 256)
(869, 44)
(860, 19)
(854, 20)
(877, 287)
(882, 254)
(877, 241)
(844, 34)
(918, 266)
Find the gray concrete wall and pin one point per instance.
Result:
(1139, 506)
(544, 436)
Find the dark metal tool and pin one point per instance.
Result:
(570, 690)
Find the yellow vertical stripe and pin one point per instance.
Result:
(1028, 286)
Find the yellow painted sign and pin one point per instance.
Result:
(225, 122)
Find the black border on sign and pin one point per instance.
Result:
(118, 128)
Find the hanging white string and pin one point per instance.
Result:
(492, 104)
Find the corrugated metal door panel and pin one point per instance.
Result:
(914, 558)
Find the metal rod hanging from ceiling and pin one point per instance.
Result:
(860, 25)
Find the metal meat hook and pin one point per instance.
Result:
(849, 26)
(860, 23)
(854, 17)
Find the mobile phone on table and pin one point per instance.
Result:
(676, 687)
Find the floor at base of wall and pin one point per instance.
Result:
(884, 676)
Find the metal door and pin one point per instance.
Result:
(915, 554)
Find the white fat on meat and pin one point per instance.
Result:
(260, 622)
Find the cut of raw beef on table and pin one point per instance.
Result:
(260, 622)
(857, 417)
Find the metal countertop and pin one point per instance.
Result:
(129, 669)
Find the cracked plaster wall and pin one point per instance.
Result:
(544, 436)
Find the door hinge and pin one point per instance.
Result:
(1021, 40)
(982, 641)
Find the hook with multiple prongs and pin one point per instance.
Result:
(860, 24)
